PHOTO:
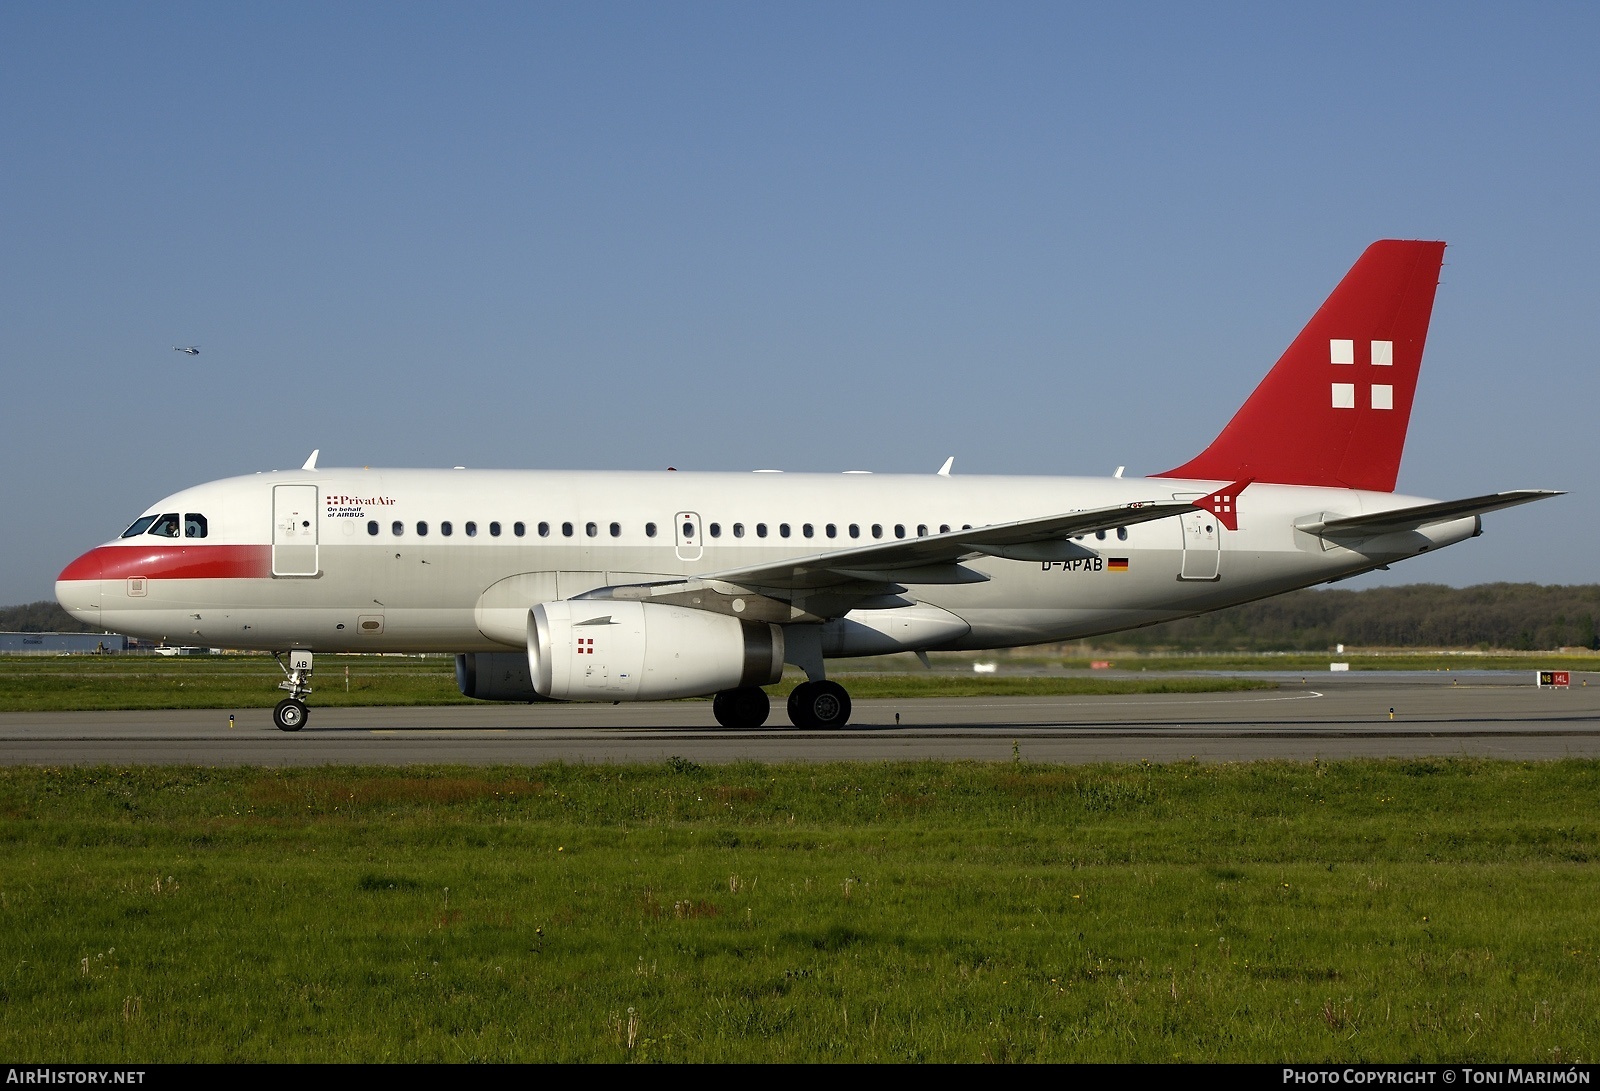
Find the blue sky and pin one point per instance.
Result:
(1042, 238)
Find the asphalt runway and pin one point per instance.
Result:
(1501, 716)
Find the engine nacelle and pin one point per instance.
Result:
(606, 650)
(495, 676)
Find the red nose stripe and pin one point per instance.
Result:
(194, 562)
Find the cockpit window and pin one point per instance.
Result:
(140, 525)
(167, 526)
(194, 526)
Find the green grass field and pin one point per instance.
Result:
(1401, 910)
(1393, 661)
(72, 683)
(63, 683)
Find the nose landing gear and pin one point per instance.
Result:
(291, 712)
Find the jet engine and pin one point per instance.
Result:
(606, 650)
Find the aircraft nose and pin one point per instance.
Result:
(78, 588)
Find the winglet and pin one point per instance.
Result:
(944, 471)
(311, 463)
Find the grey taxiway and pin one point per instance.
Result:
(1498, 714)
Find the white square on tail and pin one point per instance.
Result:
(1342, 352)
(1382, 396)
(1344, 395)
(1383, 354)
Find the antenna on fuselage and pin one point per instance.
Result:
(311, 463)
(1119, 471)
(944, 471)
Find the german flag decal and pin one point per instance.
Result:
(1117, 564)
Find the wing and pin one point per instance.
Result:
(829, 584)
(1414, 518)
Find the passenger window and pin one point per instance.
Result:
(899, 530)
(194, 526)
(166, 526)
(944, 528)
(397, 528)
(855, 530)
(1122, 534)
(566, 530)
(783, 530)
(616, 530)
(877, 530)
(590, 529)
(761, 530)
(649, 530)
(472, 530)
(738, 530)
(1100, 534)
(831, 530)
(422, 529)
(713, 529)
(494, 530)
(372, 526)
(544, 530)
(447, 528)
(922, 530)
(688, 530)
(140, 525)
(808, 530)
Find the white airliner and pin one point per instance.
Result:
(598, 586)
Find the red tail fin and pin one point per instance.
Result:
(1333, 410)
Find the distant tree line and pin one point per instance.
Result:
(41, 617)
(1519, 616)
(1516, 616)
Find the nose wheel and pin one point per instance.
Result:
(290, 714)
(824, 704)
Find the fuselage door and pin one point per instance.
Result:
(686, 531)
(1202, 546)
(294, 530)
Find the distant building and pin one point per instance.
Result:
(62, 643)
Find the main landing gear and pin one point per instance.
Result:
(291, 713)
(812, 705)
(741, 708)
(821, 704)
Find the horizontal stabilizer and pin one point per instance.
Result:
(1402, 519)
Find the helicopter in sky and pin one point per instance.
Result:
(191, 350)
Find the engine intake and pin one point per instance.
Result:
(608, 650)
